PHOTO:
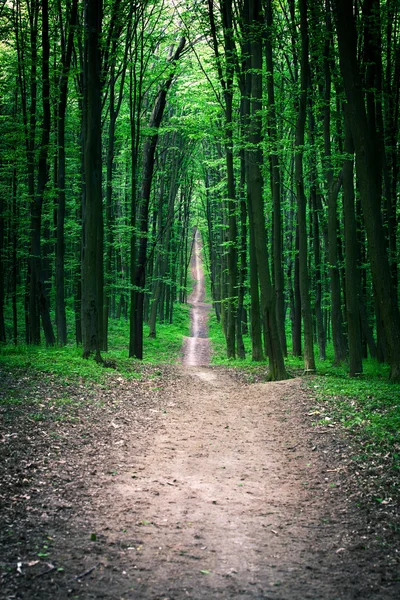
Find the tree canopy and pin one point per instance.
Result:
(271, 126)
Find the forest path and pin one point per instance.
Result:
(194, 485)
(196, 348)
(231, 502)
(230, 499)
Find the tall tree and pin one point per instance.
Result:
(226, 78)
(275, 171)
(367, 166)
(66, 58)
(353, 283)
(139, 269)
(92, 292)
(333, 187)
(255, 196)
(309, 361)
(245, 94)
(39, 301)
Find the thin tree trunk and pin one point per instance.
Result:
(255, 312)
(275, 183)
(243, 259)
(277, 369)
(339, 344)
(309, 362)
(137, 295)
(38, 295)
(2, 271)
(353, 283)
(93, 214)
(226, 82)
(297, 348)
(61, 319)
(14, 257)
(109, 193)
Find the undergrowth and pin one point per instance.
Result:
(67, 363)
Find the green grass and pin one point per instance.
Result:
(164, 348)
(67, 362)
(218, 345)
(369, 405)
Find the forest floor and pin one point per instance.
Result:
(189, 483)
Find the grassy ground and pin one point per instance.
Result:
(67, 362)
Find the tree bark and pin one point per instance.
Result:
(277, 369)
(93, 214)
(2, 271)
(38, 293)
(242, 259)
(226, 82)
(368, 177)
(245, 89)
(275, 183)
(309, 361)
(353, 283)
(339, 344)
(61, 319)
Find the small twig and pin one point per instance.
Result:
(46, 572)
(86, 572)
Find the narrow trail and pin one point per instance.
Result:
(230, 499)
(196, 348)
(203, 488)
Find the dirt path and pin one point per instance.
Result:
(196, 348)
(203, 487)
(224, 503)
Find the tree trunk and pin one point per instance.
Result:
(368, 176)
(275, 183)
(2, 271)
(138, 292)
(226, 82)
(297, 347)
(245, 88)
(277, 369)
(109, 193)
(309, 362)
(339, 344)
(243, 259)
(93, 214)
(353, 283)
(61, 319)
(14, 257)
(38, 295)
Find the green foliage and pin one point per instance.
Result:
(368, 406)
(67, 362)
(255, 371)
